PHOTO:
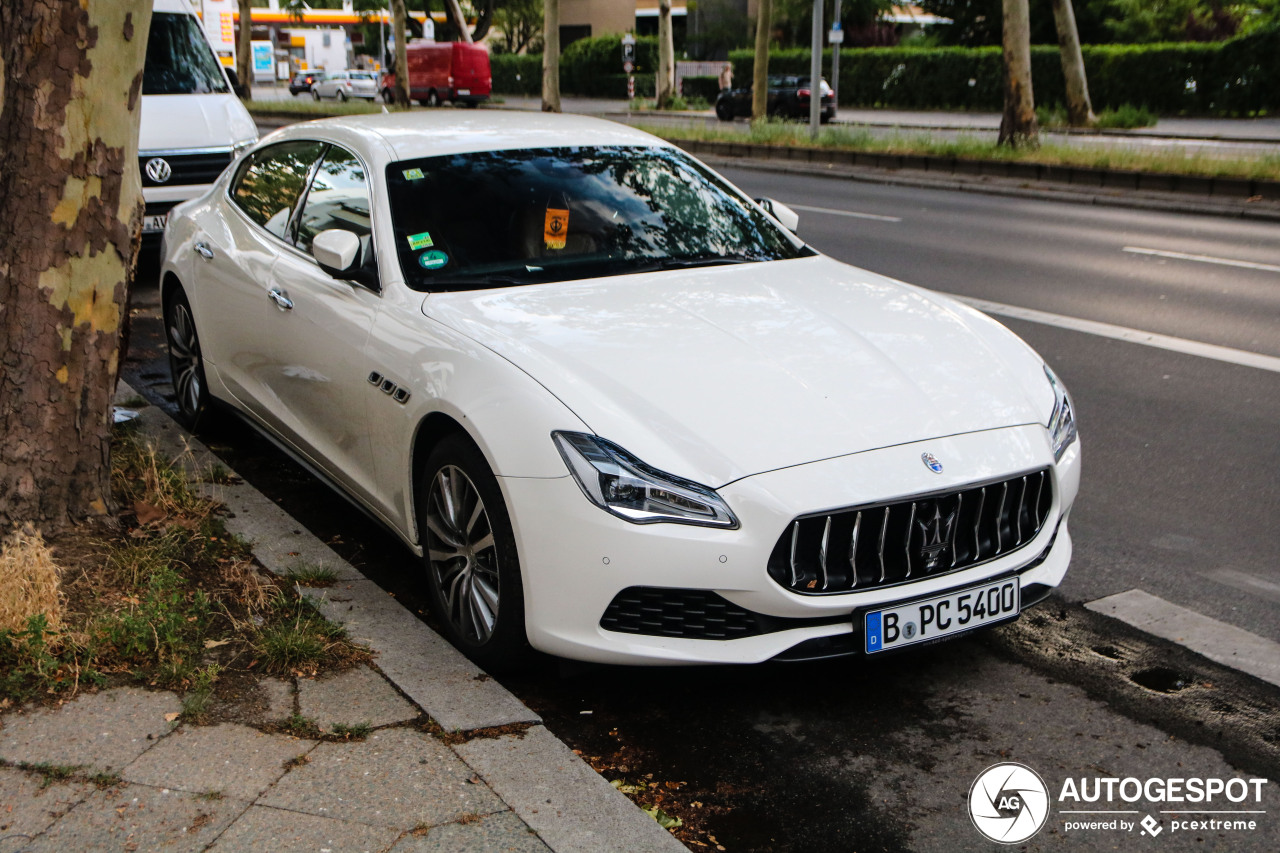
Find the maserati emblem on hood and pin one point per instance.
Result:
(931, 462)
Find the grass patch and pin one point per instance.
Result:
(970, 147)
(299, 726)
(359, 731)
(50, 773)
(310, 108)
(1127, 117)
(163, 597)
(308, 574)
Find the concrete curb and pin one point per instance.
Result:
(571, 807)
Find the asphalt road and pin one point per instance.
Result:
(1179, 499)
(1180, 495)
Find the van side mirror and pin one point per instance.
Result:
(786, 217)
(234, 78)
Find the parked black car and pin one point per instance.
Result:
(788, 98)
(302, 82)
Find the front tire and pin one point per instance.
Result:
(342, 96)
(433, 99)
(469, 553)
(315, 95)
(724, 112)
(186, 363)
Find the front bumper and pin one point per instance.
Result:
(577, 559)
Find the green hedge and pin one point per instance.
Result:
(516, 74)
(707, 88)
(1238, 76)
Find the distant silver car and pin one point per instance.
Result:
(346, 84)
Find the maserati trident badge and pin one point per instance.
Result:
(931, 462)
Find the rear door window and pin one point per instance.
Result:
(269, 184)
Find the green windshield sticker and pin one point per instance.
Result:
(433, 260)
(413, 175)
(417, 242)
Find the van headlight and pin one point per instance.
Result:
(620, 484)
(1062, 421)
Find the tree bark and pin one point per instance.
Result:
(244, 50)
(401, 35)
(551, 56)
(760, 72)
(1079, 108)
(70, 195)
(664, 88)
(1018, 126)
(459, 20)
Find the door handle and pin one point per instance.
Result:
(203, 250)
(280, 298)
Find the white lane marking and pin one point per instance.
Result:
(1122, 333)
(1204, 259)
(1218, 641)
(877, 217)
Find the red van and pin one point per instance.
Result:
(444, 71)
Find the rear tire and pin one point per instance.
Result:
(433, 99)
(469, 554)
(724, 112)
(315, 94)
(186, 363)
(342, 96)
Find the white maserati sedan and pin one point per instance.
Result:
(617, 408)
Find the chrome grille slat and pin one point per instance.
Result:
(944, 532)
(906, 545)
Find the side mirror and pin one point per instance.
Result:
(336, 251)
(786, 217)
(234, 79)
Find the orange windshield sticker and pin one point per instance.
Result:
(556, 228)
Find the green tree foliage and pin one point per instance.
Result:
(793, 19)
(518, 26)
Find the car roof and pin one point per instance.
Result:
(431, 133)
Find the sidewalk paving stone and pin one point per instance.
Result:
(102, 731)
(353, 697)
(282, 831)
(231, 759)
(398, 777)
(503, 831)
(430, 671)
(141, 818)
(280, 698)
(567, 803)
(27, 809)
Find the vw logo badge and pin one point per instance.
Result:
(931, 462)
(158, 170)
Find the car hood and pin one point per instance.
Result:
(718, 373)
(171, 122)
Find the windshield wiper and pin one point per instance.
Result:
(703, 261)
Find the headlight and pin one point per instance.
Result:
(1062, 422)
(618, 483)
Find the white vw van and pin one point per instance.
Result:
(193, 125)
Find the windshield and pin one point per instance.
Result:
(504, 218)
(179, 60)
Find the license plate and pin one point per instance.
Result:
(464, 91)
(942, 615)
(154, 223)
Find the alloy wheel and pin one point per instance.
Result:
(461, 554)
(184, 359)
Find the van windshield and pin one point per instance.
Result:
(179, 59)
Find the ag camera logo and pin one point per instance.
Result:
(1008, 803)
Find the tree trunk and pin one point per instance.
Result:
(1079, 109)
(1018, 125)
(244, 51)
(71, 78)
(401, 35)
(459, 20)
(665, 86)
(551, 56)
(760, 73)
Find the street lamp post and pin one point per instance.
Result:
(815, 72)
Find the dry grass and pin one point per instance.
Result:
(30, 581)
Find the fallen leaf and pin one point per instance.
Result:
(169, 718)
(147, 512)
(213, 644)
